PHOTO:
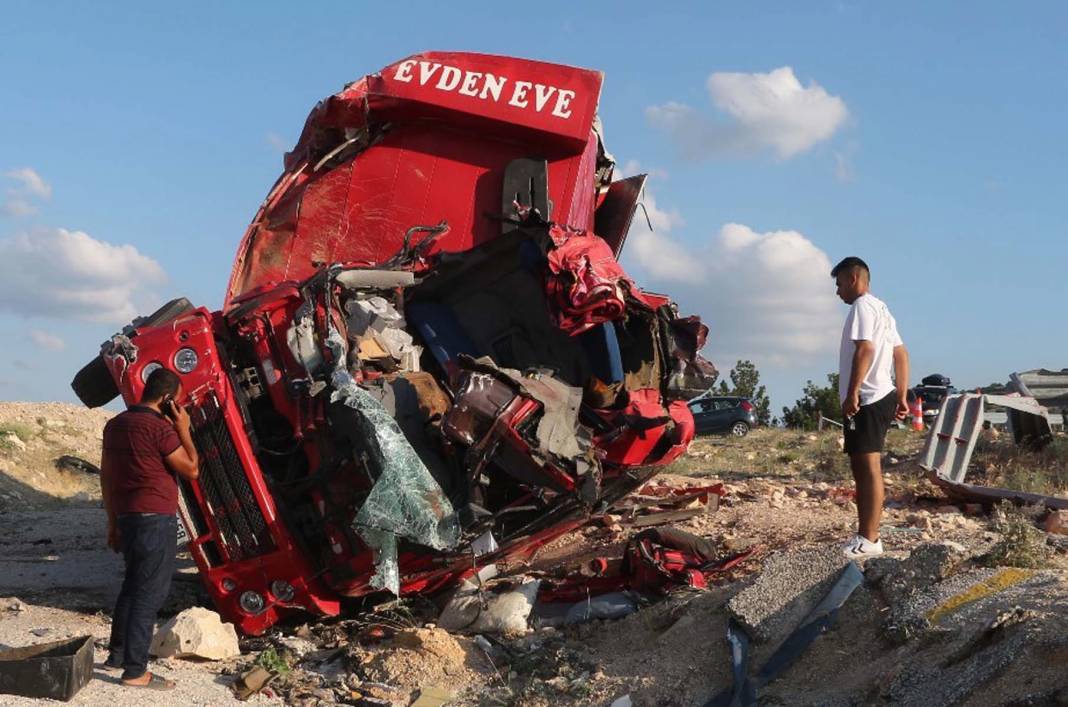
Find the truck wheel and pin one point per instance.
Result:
(93, 384)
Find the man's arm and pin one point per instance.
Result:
(863, 356)
(901, 378)
(106, 492)
(183, 461)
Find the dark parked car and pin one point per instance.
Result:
(723, 415)
(932, 390)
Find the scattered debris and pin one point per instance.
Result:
(72, 463)
(435, 696)
(476, 611)
(252, 681)
(196, 633)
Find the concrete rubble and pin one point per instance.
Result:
(196, 633)
(788, 586)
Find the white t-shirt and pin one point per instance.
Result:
(869, 319)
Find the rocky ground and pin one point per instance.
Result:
(943, 618)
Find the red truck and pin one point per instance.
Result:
(429, 358)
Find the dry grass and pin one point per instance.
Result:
(1021, 543)
(773, 452)
(1006, 465)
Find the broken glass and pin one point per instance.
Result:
(405, 500)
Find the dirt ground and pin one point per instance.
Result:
(786, 490)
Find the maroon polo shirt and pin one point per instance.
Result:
(135, 443)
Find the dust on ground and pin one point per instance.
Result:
(786, 490)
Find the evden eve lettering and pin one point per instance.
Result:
(486, 86)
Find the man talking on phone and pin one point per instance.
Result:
(144, 448)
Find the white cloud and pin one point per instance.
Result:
(660, 255)
(32, 183)
(49, 342)
(71, 275)
(18, 207)
(767, 297)
(29, 186)
(766, 111)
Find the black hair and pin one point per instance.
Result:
(161, 382)
(849, 264)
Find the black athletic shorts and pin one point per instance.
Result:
(866, 432)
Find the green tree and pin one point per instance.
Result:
(815, 400)
(745, 383)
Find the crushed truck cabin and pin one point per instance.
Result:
(429, 358)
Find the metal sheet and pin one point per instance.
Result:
(614, 215)
(971, 493)
(951, 441)
(1050, 388)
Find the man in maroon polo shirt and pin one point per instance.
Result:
(144, 447)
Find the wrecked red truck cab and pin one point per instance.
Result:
(429, 358)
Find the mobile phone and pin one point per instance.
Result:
(168, 406)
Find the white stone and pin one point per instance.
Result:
(298, 646)
(196, 632)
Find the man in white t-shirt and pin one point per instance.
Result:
(873, 375)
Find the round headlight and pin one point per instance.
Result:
(229, 585)
(251, 602)
(283, 591)
(148, 370)
(185, 360)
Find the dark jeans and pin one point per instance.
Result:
(149, 545)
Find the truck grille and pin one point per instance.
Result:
(225, 486)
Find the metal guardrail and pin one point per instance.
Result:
(827, 420)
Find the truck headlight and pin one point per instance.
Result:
(251, 602)
(283, 591)
(185, 360)
(149, 369)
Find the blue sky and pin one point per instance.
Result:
(928, 138)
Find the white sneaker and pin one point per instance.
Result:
(860, 548)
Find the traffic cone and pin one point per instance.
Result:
(916, 411)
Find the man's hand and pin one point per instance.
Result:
(851, 405)
(114, 538)
(179, 416)
(902, 408)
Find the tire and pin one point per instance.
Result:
(739, 429)
(93, 384)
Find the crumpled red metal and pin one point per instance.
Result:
(586, 283)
